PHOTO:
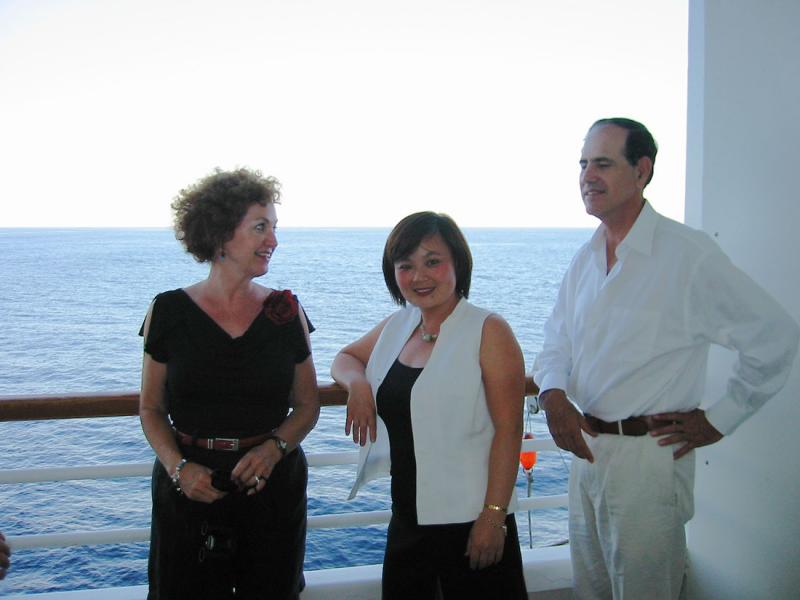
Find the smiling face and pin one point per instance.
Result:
(254, 241)
(427, 277)
(612, 189)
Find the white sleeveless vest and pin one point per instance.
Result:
(453, 431)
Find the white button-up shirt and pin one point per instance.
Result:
(635, 341)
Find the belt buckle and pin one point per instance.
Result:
(231, 443)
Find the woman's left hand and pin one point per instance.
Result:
(486, 542)
(255, 467)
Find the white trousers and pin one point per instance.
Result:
(627, 512)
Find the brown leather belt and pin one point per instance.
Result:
(631, 426)
(229, 444)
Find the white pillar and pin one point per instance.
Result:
(743, 187)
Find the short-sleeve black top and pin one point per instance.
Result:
(216, 385)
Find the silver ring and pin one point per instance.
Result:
(257, 478)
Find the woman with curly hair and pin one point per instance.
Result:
(228, 393)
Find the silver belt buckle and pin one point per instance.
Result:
(233, 442)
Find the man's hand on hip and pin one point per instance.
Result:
(566, 423)
(691, 427)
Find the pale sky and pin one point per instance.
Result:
(365, 110)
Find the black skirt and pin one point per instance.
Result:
(421, 558)
(241, 546)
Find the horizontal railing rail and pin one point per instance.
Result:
(144, 469)
(114, 471)
(142, 534)
(123, 404)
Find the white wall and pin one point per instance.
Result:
(743, 187)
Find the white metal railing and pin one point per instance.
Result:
(113, 471)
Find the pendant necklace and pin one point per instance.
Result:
(427, 337)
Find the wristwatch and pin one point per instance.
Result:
(279, 442)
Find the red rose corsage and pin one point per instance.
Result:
(280, 307)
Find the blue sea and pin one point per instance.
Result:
(71, 304)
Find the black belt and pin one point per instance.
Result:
(230, 444)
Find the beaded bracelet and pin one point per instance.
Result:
(496, 508)
(176, 476)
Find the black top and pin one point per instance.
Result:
(219, 386)
(394, 407)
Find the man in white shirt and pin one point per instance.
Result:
(628, 343)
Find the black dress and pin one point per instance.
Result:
(216, 386)
(421, 558)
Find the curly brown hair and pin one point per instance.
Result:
(208, 211)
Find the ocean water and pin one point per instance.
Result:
(71, 304)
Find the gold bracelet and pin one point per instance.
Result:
(496, 508)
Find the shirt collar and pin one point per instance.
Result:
(639, 238)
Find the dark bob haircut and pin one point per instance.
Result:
(639, 142)
(407, 236)
(208, 211)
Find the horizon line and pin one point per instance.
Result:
(282, 228)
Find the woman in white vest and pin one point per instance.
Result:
(435, 395)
